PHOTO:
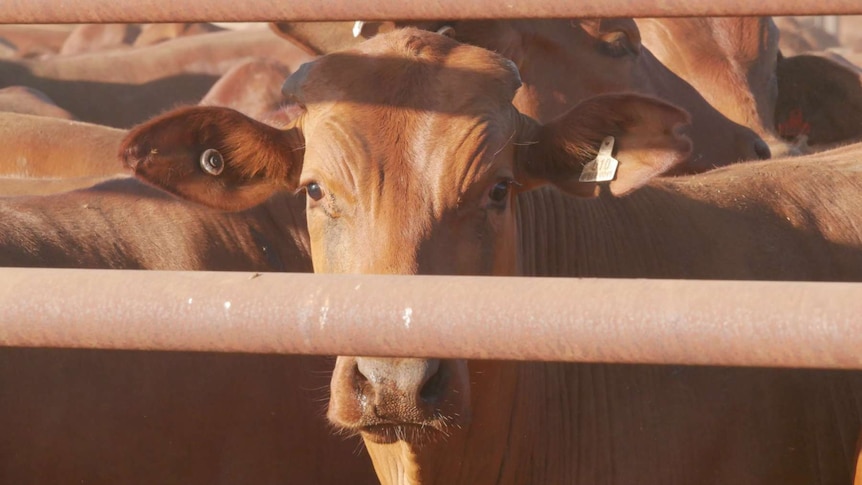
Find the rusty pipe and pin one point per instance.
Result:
(786, 324)
(81, 11)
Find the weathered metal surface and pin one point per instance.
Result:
(596, 320)
(69, 11)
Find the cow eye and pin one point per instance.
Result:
(617, 44)
(212, 162)
(500, 191)
(314, 191)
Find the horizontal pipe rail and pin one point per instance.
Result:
(75, 11)
(785, 324)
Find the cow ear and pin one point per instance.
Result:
(318, 38)
(820, 98)
(215, 156)
(623, 139)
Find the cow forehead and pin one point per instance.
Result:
(383, 151)
(409, 69)
(409, 107)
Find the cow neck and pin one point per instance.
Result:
(606, 236)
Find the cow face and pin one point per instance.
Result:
(410, 153)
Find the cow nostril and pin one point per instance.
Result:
(432, 389)
(761, 149)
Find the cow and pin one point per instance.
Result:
(99, 37)
(418, 163)
(820, 98)
(735, 63)
(39, 146)
(105, 417)
(125, 87)
(87, 38)
(563, 62)
(91, 228)
(798, 37)
(51, 148)
(33, 41)
(15, 186)
(24, 100)
(253, 87)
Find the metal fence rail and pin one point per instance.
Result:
(54, 11)
(647, 321)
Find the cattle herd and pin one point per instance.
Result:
(708, 148)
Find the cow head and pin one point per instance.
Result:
(563, 62)
(410, 153)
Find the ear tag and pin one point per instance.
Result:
(357, 28)
(604, 167)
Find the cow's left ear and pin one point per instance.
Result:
(623, 139)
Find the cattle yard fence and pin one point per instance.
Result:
(751, 323)
(79, 11)
(785, 324)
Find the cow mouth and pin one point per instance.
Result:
(414, 433)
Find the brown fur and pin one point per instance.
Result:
(121, 417)
(730, 61)
(409, 195)
(15, 186)
(99, 37)
(155, 33)
(563, 62)
(828, 94)
(126, 87)
(800, 38)
(178, 138)
(253, 88)
(37, 146)
(24, 100)
(32, 41)
(735, 64)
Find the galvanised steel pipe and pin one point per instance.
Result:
(74, 11)
(592, 320)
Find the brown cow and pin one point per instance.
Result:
(801, 37)
(172, 418)
(38, 146)
(15, 186)
(155, 33)
(820, 98)
(93, 228)
(563, 62)
(24, 100)
(99, 37)
(253, 88)
(437, 155)
(124, 87)
(735, 64)
(32, 41)
(102, 417)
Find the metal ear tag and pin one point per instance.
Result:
(357, 28)
(604, 167)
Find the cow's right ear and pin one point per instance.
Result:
(623, 139)
(215, 156)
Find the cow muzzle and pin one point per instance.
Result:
(416, 400)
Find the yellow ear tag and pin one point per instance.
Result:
(604, 167)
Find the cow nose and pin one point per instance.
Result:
(401, 389)
(761, 149)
